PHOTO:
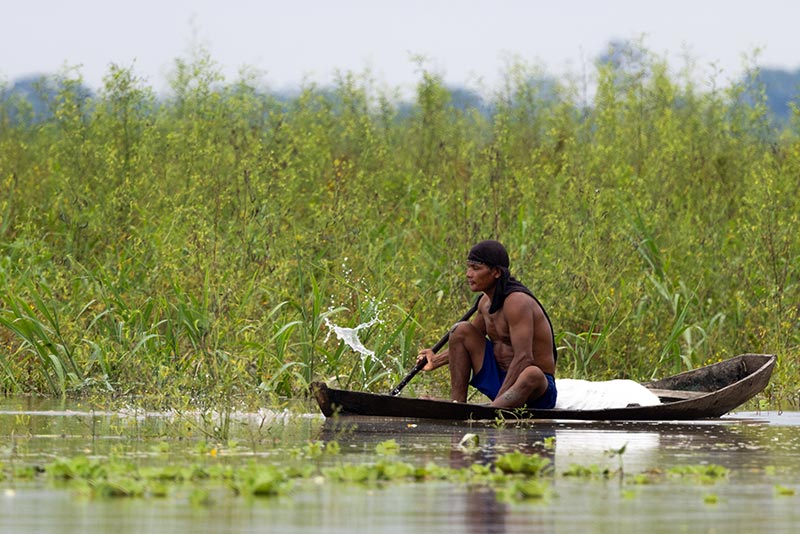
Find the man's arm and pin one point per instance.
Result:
(443, 358)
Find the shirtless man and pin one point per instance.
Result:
(507, 351)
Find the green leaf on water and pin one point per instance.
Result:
(527, 464)
(388, 447)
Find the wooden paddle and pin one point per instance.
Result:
(436, 348)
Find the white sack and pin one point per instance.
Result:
(585, 395)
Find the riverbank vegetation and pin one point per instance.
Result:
(197, 248)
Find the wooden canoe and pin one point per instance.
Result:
(707, 392)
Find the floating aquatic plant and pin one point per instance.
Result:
(525, 490)
(587, 471)
(261, 481)
(526, 464)
(512, 476)
(388, 447)
(706, 474)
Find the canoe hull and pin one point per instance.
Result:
(715, 390)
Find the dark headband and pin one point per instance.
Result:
(491, 253)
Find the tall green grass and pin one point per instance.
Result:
(193, 246)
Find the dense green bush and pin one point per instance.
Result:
(202, 243)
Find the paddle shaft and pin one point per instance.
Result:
(436, 348)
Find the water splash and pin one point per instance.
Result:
(350, 336)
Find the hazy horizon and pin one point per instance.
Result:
(470, 42)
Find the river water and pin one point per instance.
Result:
(761, 492)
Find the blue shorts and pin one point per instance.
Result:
(489, 379)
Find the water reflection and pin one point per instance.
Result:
(484, 513)
(435, 440)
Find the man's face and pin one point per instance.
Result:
(480, 276)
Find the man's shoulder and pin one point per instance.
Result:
(519, 298)
(518, 303)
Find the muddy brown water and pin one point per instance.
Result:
(760, 494)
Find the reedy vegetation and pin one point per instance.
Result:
(192, 247)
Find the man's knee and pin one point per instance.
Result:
(533, 377)
(463, 330)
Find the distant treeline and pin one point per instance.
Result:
(781, 90)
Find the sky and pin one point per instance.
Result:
(468, 42)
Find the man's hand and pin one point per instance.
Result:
(426, 355)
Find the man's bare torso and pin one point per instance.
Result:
(498, 331)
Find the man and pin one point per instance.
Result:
(508, 350)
